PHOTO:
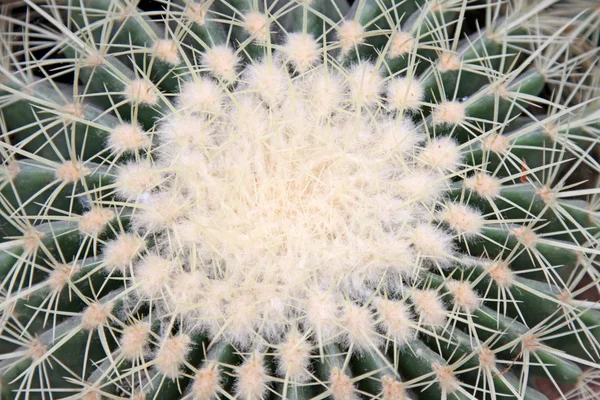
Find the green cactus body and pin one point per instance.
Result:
(304, 199)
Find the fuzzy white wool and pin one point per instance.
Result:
(395, 320)
(293, 356)
(341, 386)
(405, 94)
(446, 378)
(359, 328)
(402, 43)
(442, 154)
(429, 307)
(484, 185)
(201, 95)
(463, 219)
(350, 34)
(206, 382)
(366, 84)
(94, 221)
(502, 274)
(322, 313)
(136, 178)
(166, 50)
(302, 51)
(257, 24)
(71, 171)
(325, 91)
(269, 80)
(252, 378)
(152, 274)
(393, 389)
(221, 61)
(122, 251)
(134, 340)
(242, 317)
(449, 113)
(464, 295)
(61, 274)
(283, 199)
(139, 91)
(159, 212)
(172, 354)
(128, 137)
(95, 315)
(187, 132)
(420, 185)
(431, 242)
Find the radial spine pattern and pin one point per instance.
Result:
(307, 199)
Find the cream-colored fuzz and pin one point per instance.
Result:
(140, 91)
(449, 113)
(72, 111)
(359, 328)
(501, 274)
(464, 295)
(31, 240)
(286, 199)
(302, 51)
(134, 341)
(167, 51)
(350, 34)
(448, 62)
(530, 343)
(206, 382)
(257, 25)
(127, 137)
(121, 252)
(462, 219)
(135, 179)
(197, 11)
(548, 195)
(71, 171)
(94, 222)
(172, 354)
(402, 43)
(496, 143)
(446, 378)
(429, 306)
(92, 396)
(94, 60)
(37, 349)
(252, 378)
(152, 274)
(293, 358)
(366, 84)
(201, 95)
(221, 61)
(431, 242)
(95, 316)
(484, 185)
(393, 389)
(487, 359)
(442, 153)
(341, 386)
(61, 274)
(526, 236)
(395, 320)
(405, 94)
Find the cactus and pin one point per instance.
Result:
(298, 199)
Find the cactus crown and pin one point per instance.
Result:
(298, 199)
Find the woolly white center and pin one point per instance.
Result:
(281, 188)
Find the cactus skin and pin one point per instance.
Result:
(298, 200)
